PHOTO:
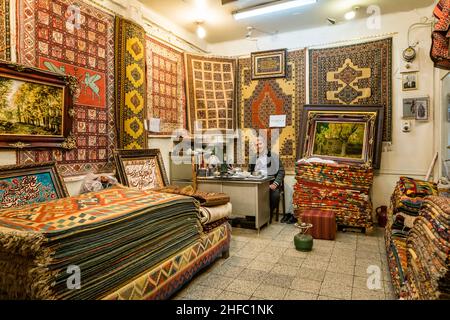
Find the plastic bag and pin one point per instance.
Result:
(93, 182)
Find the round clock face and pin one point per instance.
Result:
(409, 54)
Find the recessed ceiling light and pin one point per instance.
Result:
(350, 15)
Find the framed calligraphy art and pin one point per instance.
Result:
(269, 64)
(141, 169)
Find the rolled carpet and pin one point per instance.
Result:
(211, 214)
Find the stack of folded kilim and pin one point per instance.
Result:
(406, 202)
(428, 250)
(108, 237)
(341, 188)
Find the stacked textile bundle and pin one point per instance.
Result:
(215, 207)
(112, 236)
(341, 188)
(428, 250)
(406, 201)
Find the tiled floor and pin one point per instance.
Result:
(267, 266)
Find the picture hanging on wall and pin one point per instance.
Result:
(415, 108)
(269, 64)
(410, 81)
(422, 107)
(348, 135)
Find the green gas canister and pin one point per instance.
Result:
(303, 241)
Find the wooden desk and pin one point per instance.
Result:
(249, 197)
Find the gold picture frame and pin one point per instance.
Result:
(269, 64)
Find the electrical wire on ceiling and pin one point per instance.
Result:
(425, 22)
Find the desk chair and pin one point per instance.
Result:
(277, 209)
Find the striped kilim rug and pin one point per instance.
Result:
(110, 237)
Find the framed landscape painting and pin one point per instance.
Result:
(350, 134)
(269, 64)
(35, 107)
(141, 169)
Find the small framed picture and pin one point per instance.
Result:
(409, 108)
(410, 81)
(422, 108)
(269, 64)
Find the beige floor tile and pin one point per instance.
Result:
(339, 267)
(340, 252)
(366, 247)
(278, 280)
(278, 251)
(335, 290)
(243, 286)
(315, 264)
(228, 270)
(361, 271)
(362, 254)
(216, 281)
(270, 292)
(257, 298)
(299, 295)
(256, 276)
(230, 295)
(366, 262)
(361, 283)
(238, 261)
(247, 253)
(291, 261)
(271, 257)
(306, 285)
(365, 294)
(347, 260)
(285, 270)
(339, 278)
(202, 293)
(327, 298)
(261, 265)
(309, 273)
(345, 246)
(283, 244)
(292, 252)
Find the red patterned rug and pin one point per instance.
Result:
(74, 38)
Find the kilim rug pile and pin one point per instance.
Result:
(5, 44)
(211, 92)
(359, 74)
(166, 96)
(258, 99)
(73, 37)
(110, 237)
(131, 93)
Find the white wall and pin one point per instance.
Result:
(410, 153)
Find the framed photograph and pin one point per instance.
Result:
(30, 183)
(410, 81)
(269, 64)
(350, 134)
(36, 107)
(422, 108)
(141, 169)
(409, 108)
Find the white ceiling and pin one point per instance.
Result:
(221, 26)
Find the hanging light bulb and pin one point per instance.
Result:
(201, 32)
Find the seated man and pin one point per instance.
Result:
(270, 165)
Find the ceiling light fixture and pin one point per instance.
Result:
(271, 8)
(351, 14)
(201, 32)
